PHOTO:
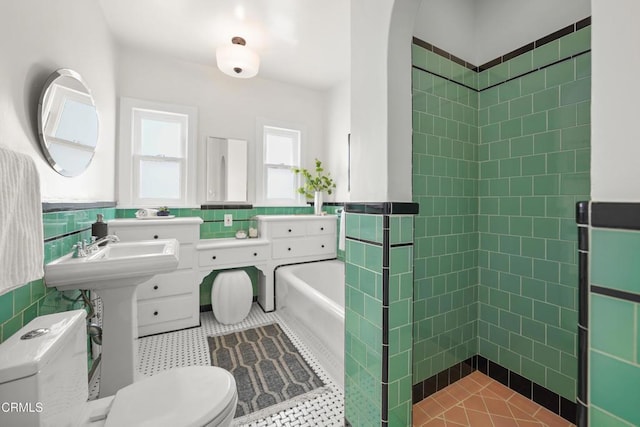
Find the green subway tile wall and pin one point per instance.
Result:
(62, 230)
(614, 337)
(364, 307)
(363, 322)
(445, 184)
(497, 174)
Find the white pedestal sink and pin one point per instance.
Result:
(115, 272)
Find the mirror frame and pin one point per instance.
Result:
(60, 73)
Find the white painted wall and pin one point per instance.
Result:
(481, 30)
(227, 107)
(505, 25)
(338, 126)
(448, 24)
(381, 100)
(615, 135)
(36, 38)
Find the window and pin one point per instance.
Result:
(280, 153)
(157, 154)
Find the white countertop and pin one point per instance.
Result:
(230, 243)
(126, 222)
(304, 217)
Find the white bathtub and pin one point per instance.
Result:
(313, 294)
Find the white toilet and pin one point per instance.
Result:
(43, 382)
(231, 296)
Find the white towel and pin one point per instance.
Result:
(145, 213)
(21, 241)
(342, 236)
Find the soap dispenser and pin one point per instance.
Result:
(99, 229)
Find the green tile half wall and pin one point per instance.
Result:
(378, 319)
(500, 158)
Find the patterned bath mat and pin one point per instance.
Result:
(270, 373)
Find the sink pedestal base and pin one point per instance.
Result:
(119, 338)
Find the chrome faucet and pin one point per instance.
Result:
(82, 249)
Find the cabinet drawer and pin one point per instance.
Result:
(163, 285)
(166, 309)
(225, 256)
(295, 248)
(321, 227)
(184, 234)
(288, 229)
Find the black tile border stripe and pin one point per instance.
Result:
(368, 242)
(226, 206)
(383, 208)
(582, 222)
(445, 78)
(516, 52)
(615, 215)
(527, 388)
(386, 239)
(62, 236)
(63, 207)
(615, 293)
(582, 213)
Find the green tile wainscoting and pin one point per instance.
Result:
(62, 230)
(610, 353)
(378, 317)
(500, 157)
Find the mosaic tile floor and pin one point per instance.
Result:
(189, 347)
(479, 401)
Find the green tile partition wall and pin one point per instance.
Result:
(497, 173)
(378, 350)
(614, 333)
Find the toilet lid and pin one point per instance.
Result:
(189, 396)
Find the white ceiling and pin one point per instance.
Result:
(307, 42)
(303, 42)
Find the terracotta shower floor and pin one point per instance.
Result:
(477, 400)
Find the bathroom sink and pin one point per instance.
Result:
(114, 273)
(113, 264)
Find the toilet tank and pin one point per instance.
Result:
(43, 379)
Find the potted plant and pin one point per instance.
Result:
(315, 185)
(163, 211)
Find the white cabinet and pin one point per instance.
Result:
(294, 239)
(170, 301)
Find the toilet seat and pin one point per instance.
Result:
(189, 396)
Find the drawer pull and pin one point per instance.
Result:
(155, 287)
(155, 236)
(288, 249)
(213, 257)
(255, 254)
(289, 230)
(321, 228)
(323, 246)
(155, 313)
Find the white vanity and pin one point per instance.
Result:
(168, 301)
(171, 301)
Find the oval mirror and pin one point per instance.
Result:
(67, 123)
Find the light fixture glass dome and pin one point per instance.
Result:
(237, 60)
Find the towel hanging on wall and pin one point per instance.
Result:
(21, 241)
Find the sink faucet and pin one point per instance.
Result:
(82, 249)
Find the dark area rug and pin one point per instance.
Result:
(270, 373)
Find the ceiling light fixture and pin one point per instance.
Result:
(237, 60)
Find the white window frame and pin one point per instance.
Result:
(128, 171)
(262, 167)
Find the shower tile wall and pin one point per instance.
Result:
(533, 154)
(61, 231)
(497, 210)
(445, 181)
(378, 319)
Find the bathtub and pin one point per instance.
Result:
(313, 294)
